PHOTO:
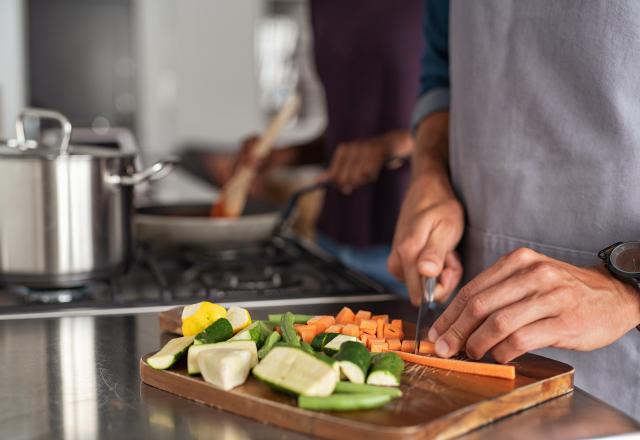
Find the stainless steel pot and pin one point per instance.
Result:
(66, 212)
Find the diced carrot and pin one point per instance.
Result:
(346, 316)
(322, 322)
(307, 332)
(373, 340)
(369, 326)
(392, 332)
(336, 328)
(351, 330)
(394, 344)
(379, 347)
(363, 314)
(480, 368)
(364, 338)
(427, 347)
(385, 318)
(380, 329)
(408, 346)
(396, 323)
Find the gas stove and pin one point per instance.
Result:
(284, 271)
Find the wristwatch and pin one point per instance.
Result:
(623, 261)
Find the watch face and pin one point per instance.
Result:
(626, 257)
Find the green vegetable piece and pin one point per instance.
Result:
(268, 344)
(306, 347)
(219, 331)
(344, 402)
(275, 318)
(289, 334)
(319, 341)
(386, 370)
(354, 361)
(357, 388)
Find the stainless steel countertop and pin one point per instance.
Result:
(77, 377)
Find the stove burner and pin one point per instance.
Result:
(66, 295)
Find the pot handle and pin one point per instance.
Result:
(41, 113)
(156, 171)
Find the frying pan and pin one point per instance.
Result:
(178, 225)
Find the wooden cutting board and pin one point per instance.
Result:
(436, 403)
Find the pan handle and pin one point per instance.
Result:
(287, 213)
(156, 171)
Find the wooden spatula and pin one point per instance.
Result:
(233, 196)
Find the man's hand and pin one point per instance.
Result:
(359, 162)
(431, 221)
(527, 301)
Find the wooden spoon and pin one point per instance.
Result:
(233, 196)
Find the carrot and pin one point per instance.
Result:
(369, 326)
(306, 332)
(394, 344)
(373, 340)
(336, 328)
(408, 346)
(392, 332)
(380, 329)
(385, 318)
(351, 330)
(322, 322)
(427, 347)
(363, 314)
(364, 338)
(396, 323)
(380, 347)
(345, 316)
(480, 368)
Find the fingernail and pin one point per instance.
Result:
(433, 335)
(442, 348)
(429, 267)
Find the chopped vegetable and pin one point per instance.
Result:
(197, 317)
(289, 335)
(394, 344)
(170, 353)
(363, 314)
(196, 350)
(333, 346)
(392, 332)
(219, 331)
(306, 331)
(239, 318)
(354, 361)
(322, 323)
(295, 371)
(480, 368)
(351, 330)
(397, 323)
(426, 347)
(373, 340)
(225, 369)
(364, 338)
(383, 318)
(380, 329)
(386, 370)
(369, 326)
(344, 402)
(308, 348)
(256, 332)
(319, 341)
(408, 346)
(345, 316)
(275, 318)
(350, 387)
(336, 328)
(268, 344)
(379, 347)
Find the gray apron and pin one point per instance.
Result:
(545, 145)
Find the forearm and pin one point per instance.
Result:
(308, 153)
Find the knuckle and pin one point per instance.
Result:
(523, 255)
(500, 356)
(464, 296)
(543, 271)
(473, 350)
(455, 333)
(501, 322)
(477, 307)
(407, 250)
(519, 342)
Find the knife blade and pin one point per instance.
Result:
(428, 286)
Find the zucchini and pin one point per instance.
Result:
(386, 370)
(344, 402)
(321, 340)
(219, 331)
(225, 369)
(330, 361)
(256, 332)
(275, 318)
(354, 359)
(170, 353)
(294, 371)
(333, 346)
(289, 334)
(268, 344)
(195, 350)
(350, 388)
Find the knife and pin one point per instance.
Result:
(428, 288)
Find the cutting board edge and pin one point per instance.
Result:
(457, 420)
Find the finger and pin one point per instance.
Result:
(449, 278)
(336, 162)
(246, 157)
(346, 167)
(469, 309)
(413, 281)
(394, 264)
(358, 167)
(539, 334)
(503, 323)
(441, 241)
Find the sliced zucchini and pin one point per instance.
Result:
(219, 331)
(195, 350)
(170, 353)
(320, 341)
(330, 361)
(225, 369)
(386, 370)
(256, 332)
(354, 360)
(333, 346)
(294, 371)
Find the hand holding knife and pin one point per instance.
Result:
(429, 285)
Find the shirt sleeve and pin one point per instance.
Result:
(434, 77)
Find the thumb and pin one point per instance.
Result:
(441, 241)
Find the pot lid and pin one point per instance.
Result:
(30, 148)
